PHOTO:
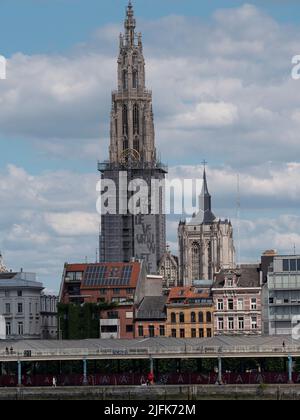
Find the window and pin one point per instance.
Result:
(125, 79)
(201, 333)
(196, 261)
(182, 333)
(200, 318)
(173, 332)
(6, 293)
(230, 304)
(221, 324)
(109, 329)
(209, 317)
(193, 317)
(181, 318)
(162, 330)
(125, 123)
(136, 119)
(241, 323)
(129, 328)
(135, 79)
(220, 305)
(141, 331)
(20, 308)
(231, 323)
(240, 305)
(151, 331)
(20, 293)
(20, 328)
(253, 304)
(116, 291)
(209, 332)
(103, 291)
(8, 329)
(293, 265)
(271, 301)
(286, 265)
(193, 333)
(254, 323)
(173, 318)
(7, 308)
(112, 315)
(130, 291)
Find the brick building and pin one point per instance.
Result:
(190, 313)
(237, 298)
(121, 284)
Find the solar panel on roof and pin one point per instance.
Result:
(96, 276)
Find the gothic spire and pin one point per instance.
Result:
(130, 25)
(205, 215)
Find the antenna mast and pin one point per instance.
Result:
(238, 221)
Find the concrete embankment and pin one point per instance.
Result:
(161, 393)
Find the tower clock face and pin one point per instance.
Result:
(130, 157)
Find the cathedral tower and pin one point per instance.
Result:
(205, 243)
(132, 153)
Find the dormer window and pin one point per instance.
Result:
(229, 282)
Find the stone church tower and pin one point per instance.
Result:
(133, 154)
(205, 243)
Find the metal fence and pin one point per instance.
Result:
(151, 351)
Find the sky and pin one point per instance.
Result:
(220, 72)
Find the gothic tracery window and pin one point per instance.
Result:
(125, 127)
(135, 79)
(125, 121)
(136, 119)
(196, 258)
(125, 79)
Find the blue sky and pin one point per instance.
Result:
(39, 26)
(52, 27)
(222, 90)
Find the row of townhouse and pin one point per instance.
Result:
(249, 300)
(229, 305)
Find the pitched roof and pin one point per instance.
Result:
(152, 308)
(107, 275)
(247, 276)
(185, 293)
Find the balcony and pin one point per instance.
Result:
(143, 166)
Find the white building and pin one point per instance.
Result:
(20, 297)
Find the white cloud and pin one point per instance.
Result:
(222, 90)
(207, 114)
(74, 223)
